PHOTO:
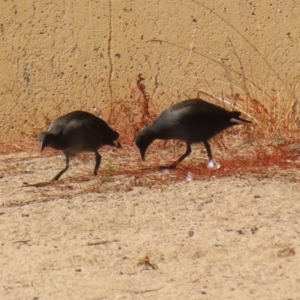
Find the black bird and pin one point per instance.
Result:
(78, 131)
(192, 121)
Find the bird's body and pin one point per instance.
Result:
(78, 131)
(192, 121)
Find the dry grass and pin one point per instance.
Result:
(242, 149)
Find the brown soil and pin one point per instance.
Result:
(147, 235)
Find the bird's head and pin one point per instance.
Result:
(112, 139)
(45, 139)
(142, 141)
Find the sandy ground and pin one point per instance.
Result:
(110, 237)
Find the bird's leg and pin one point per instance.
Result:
(186, 154)
(182, 157)
(64, 170)
(211, 163)
(98, 161)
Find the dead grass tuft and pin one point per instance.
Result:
(242, 149)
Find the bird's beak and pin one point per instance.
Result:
(117, 144)
(42, 146)
(143, 153)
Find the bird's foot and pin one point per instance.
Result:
(213, 165)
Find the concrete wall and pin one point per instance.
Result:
(62, 55)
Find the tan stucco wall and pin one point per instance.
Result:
(58, 56)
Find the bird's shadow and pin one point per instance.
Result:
(77, 179)
(39, 184)
(168, 167)
(159, 168)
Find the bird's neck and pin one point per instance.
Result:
(57, 142)
(152, 133)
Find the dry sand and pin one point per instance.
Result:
(110, 237)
